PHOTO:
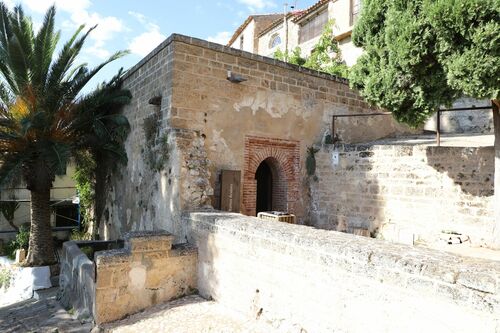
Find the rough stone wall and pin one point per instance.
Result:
(402, 193)
(147, 194)
(148, 271)
(177, 150)
(473, 121)
(77, 281)
(277, 101)
(281, 274)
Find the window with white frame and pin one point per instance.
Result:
(274, 41)
(314, 27)
(241, 42)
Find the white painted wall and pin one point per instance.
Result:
(248, 38)
(337, 10)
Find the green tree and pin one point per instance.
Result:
(325, 57)
(45, 119)
(8, 210)
(293, 57)
(422, 54)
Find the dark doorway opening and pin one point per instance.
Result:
(264, 179)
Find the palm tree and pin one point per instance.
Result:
(45, 120)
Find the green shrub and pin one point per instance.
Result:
(5, 277)
(10, 249)
(77, 235)
(21, 241)
(89, 251)
(23, 238)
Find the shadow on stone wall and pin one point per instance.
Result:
(472, 168)
(345, 196)
(404, 193)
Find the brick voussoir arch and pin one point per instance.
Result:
(283, 156)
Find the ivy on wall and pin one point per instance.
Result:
(84, 178)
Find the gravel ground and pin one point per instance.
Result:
(44, 315)
(191, 314)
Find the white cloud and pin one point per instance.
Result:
(138, 16)
(9, 3)
(147, 41)
(107, 26)
(98, 50)
(221, 37)
(254, 5)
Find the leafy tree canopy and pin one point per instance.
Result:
(325, 57)
(421, 54)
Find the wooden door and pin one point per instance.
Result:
(230, 191)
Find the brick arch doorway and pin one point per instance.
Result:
(282, 158)
(271, 186)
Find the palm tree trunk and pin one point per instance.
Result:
(41, 246)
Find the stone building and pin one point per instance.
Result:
(302, 28)
(200, 109)
(246, 37)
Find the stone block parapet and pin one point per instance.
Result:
(148, 270)
(301, 278)
(77, 281)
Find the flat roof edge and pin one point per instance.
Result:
(229, 50)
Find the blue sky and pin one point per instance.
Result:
(139, 26)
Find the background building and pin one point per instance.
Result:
(301, 28)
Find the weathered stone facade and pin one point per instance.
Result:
(149, 270)
(302, 279)
(405, 192)
(203, 124)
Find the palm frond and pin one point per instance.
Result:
(5, 29)
(5, 96)
(45, 44)
(80, 81)
(66, 57)
(20, 48)
(10, 168)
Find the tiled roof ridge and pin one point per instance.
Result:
(238, 31)
(278, 21)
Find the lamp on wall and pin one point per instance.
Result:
(235, 78)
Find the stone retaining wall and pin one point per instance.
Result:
(147, 271)
(77, 281)
(404, 193)
(301, 279)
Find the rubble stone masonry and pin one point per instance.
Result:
(404, 192)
